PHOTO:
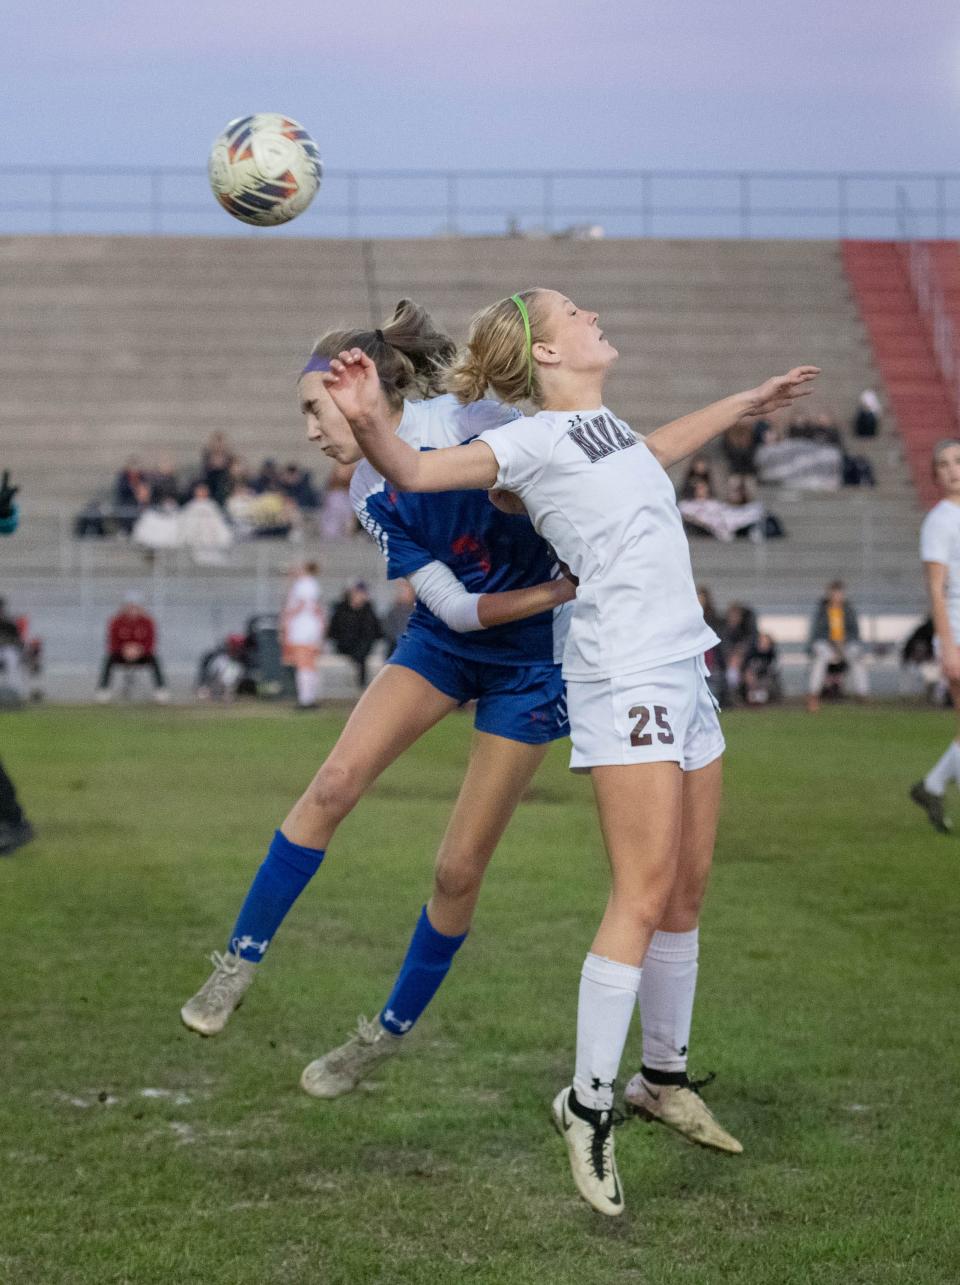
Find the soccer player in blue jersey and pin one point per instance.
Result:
(483, 629)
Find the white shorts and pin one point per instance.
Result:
(655, 716)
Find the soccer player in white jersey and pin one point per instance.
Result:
(643, 722)
(940, 555)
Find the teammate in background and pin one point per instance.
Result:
(303, 626)
(483, 629)
(15, 829)
(940, 555)
(643, 722)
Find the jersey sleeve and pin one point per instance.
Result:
(934, 539)
(522, 450)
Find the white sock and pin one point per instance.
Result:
(946, 769)
(308, 685)
(666, 998)
(608, 992)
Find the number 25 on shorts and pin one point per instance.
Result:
(639, 736)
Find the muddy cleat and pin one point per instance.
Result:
(681, 1108)
(932, 804)
(342, 1069)
(223, 991)
(589, 1139)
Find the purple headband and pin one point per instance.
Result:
(316, 362)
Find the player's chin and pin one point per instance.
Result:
(609, 351)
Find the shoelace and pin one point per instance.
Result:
(227, 966)
(601, 1142)
(367, 1031)
(697, 1085)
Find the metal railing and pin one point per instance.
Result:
(436, 202)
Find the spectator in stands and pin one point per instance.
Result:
(355, 628)
(738, 636)
(716, 677)
(158, 527)
(337, 518)
(203, 528)
(866, 419)
(698, 472)
(704, 513)
(401, 609)
(296, 483)
(11, 654)
(217, 462)
(741, 495)
(835, 645)
(919, 655)
(164, 482)
(268, 479)
(760, 678)
(126, 487)
(132, 642)
(739, 445)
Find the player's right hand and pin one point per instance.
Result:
(354, 384)
(7, 495)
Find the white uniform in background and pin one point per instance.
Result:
(940, 542)
(304, 629)
(636, 680)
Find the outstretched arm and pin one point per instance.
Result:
(354, 385)
(686, 436)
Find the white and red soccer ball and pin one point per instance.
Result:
(264, 169)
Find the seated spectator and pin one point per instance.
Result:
(126, 487)
(799, 462)
(217, 461)
(866, 419)
(741, 494)
(164, 482)
(268, 479)
(760, 677)
(699, 471)
(716, 677)
(739, 445)
(715, 517)
(337, 518)
(131, 642)
(401, 609)
(273, 516)
(203, 528)
(297, 484)
(835, 645)
(158, 527)
(738, 635)
(857, 471)
(355, 627)
(11, 654)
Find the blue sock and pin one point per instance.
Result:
(285, 872)
(424, 967)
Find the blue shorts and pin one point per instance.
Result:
(525, 703)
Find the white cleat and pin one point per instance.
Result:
(590, 1147)
(162, 696)
(342, 1069)
(221, 994)
(681, 1108)
(102, 695)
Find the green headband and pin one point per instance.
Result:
(526, 330)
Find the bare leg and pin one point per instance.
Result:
(701, 807)
(397, 708)
(498, 773)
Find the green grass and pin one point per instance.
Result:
(827, 1004)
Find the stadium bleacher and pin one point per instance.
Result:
(120, 345)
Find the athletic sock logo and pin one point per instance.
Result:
(390, 1019)
(248, 943)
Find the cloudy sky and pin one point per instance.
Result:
(775, 84)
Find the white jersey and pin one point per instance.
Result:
(940, 542)
(596, 493)
(303, 615)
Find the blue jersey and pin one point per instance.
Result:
(488, 551)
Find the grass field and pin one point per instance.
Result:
(134, 1151)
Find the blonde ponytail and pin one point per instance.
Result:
(497, 355)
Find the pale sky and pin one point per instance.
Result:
(758, 84)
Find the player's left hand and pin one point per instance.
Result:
(782, 390)
(7, 494)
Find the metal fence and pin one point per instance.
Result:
(173, 200)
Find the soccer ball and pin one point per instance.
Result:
(264, 169)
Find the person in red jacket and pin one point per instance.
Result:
(131, 640)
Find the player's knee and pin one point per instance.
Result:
(457, 877)
(335, 790)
